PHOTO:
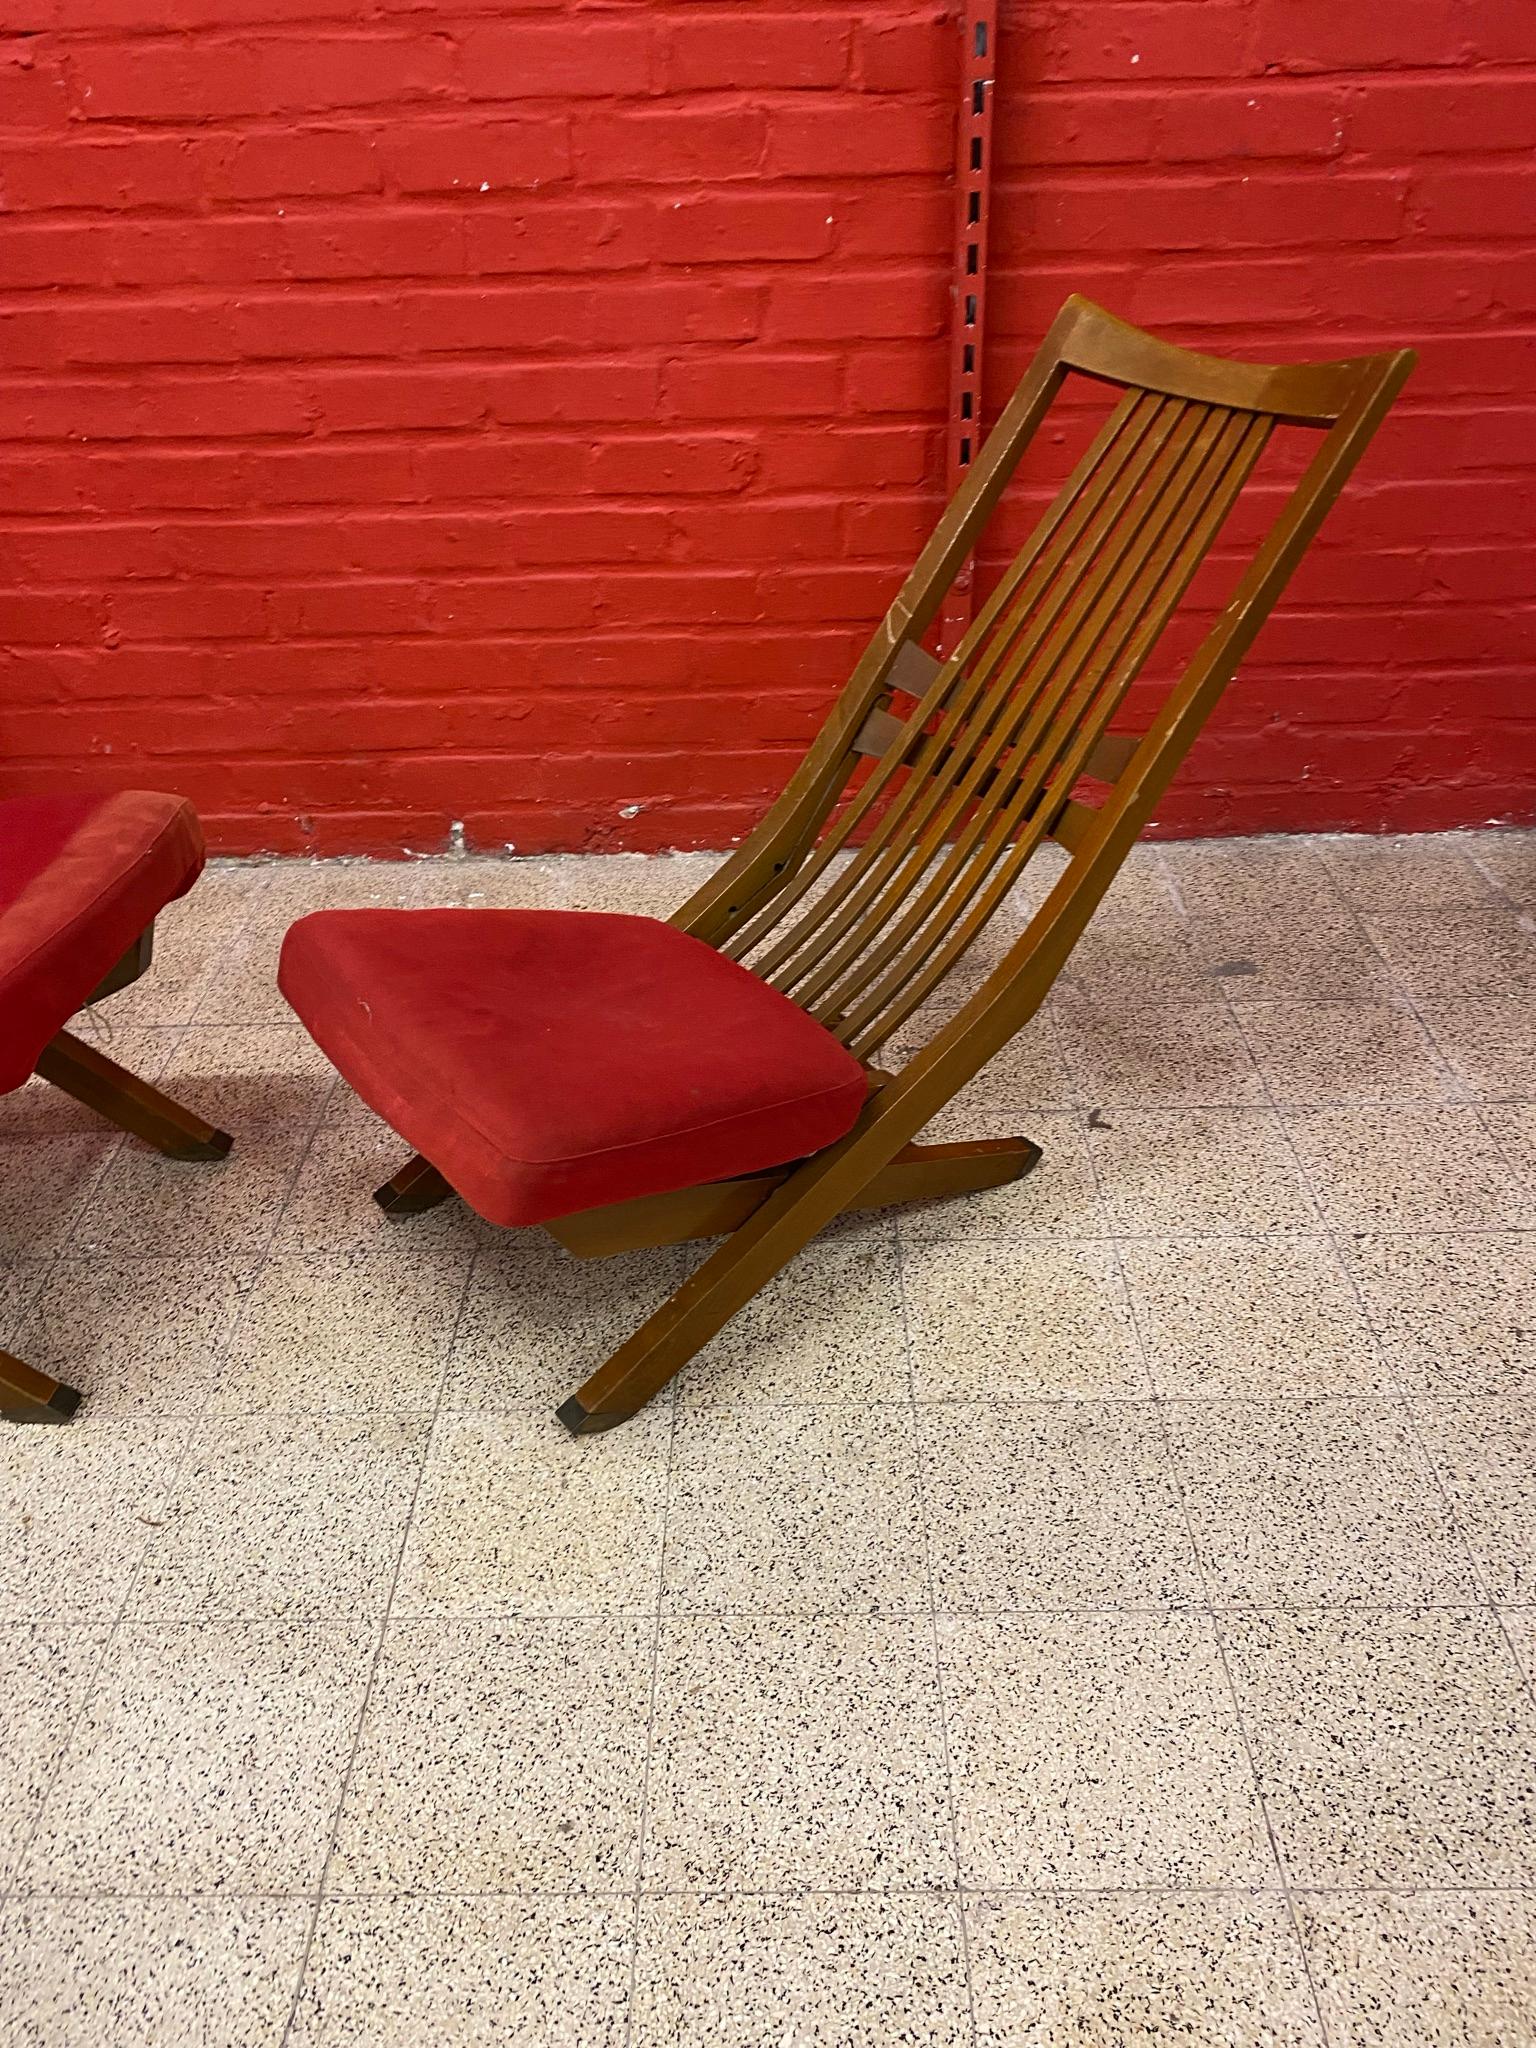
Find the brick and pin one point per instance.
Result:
(738, 48)
(477, 156)
(1290, 35)
(753, 386)
(101, 175)
(532, 60)
(869, 139)
(660, 145)
(917, 54)
(788, 227)
(305, 163)
(1139, 39)
(869, 307)
(675, 466)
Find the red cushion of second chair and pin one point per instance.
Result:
(80, 878)
(547, 1061)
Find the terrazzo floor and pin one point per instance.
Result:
(1101, 1611)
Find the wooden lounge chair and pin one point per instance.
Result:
(628, 1083)
(82, 880)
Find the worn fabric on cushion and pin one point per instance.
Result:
(80, 878)
(546, 1061)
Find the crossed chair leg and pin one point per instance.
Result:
(27, 1395)
(765, 1220)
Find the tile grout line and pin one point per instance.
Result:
(925, 1523)
(317, 1898)
(643, 1816)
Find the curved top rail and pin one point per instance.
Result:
(1304, 394)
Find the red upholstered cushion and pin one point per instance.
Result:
(80, 878)
(553, 1060)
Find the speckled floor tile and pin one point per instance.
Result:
(240, 986)
(1453, 1313)
(1175, 1056)
(1022, 1319)
(499, 1757)
(209, 1758)
(1512, 1127)
(1136, 963)
(44, 1188)
(330, 1207)
(1508, 859)
(1027, 1076)
(1281, 880)
(829, 1328)
(1404, 871)
(537, 1320)
(515, 1516)
(147, 1206)
(1417, 1168)
(21, 1283)
(1317, 960)
(295, 888)
(503, 882)
(1098, 1750)
(1301, 1503)
(1061, 1504)
(149, 1973)
(1520, 1625)
(856, 1971)
(1392, 1749)
(1441, 953)
(1344, 1052)
(246, 1077)
(1487, 1042)
(193, 937)
(779, 1510)
(1208, 1970)
(1166, 1172)
(794, 1755)
(76, 1508)
(1485, 1455)
(1423, 1970)
(344, 1333)
(45, 1676)
(467, 1973)
(136, 1339)
(1250, 1315)
(284, 1517)
(1057, 1198)
(637, 885)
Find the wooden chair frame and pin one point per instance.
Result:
(964, 788)
(81, 1070)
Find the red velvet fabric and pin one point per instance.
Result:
(553, 1060)
(80, 878)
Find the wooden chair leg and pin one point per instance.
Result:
(761, 1247)
(417, 1186)
(123, 1099)
(27, 1395)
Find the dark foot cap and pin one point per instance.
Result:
(59, 1407)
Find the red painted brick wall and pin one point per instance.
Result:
(513, 416)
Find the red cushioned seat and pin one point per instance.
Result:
(80, 878)
(547, 1061)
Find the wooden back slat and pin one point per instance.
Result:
(963, 790)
